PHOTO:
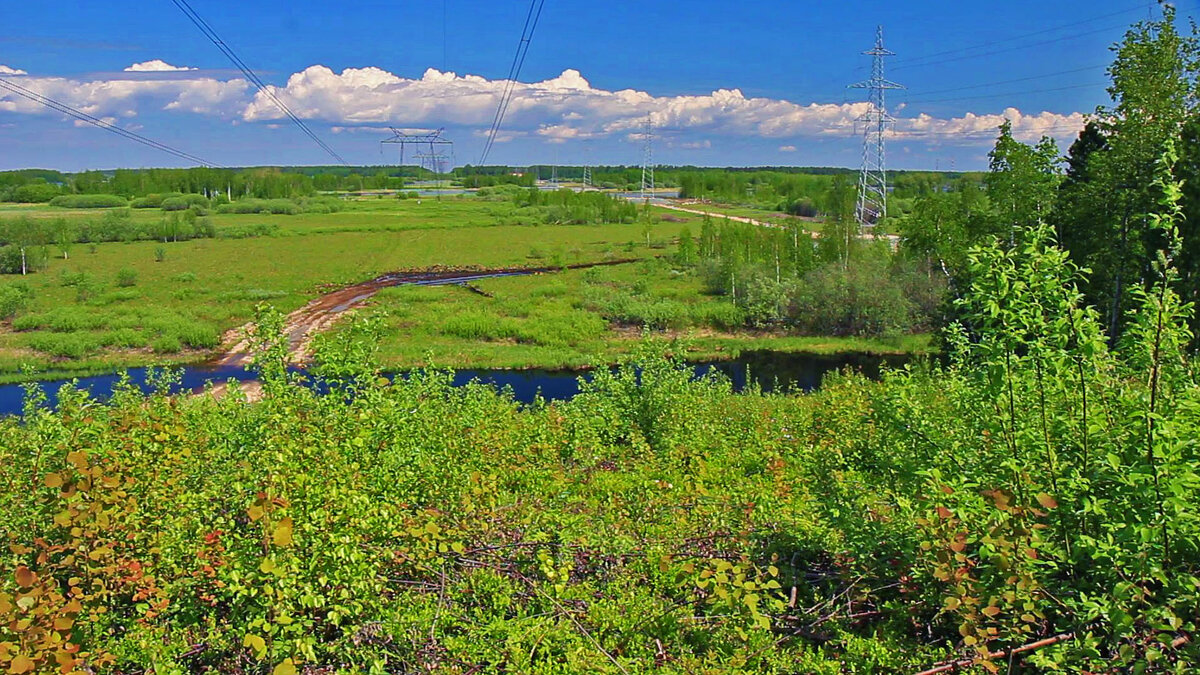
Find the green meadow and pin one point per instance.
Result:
(582, 318)
(118, 304)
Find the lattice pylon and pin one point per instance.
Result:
(872, 182)
(648, 161)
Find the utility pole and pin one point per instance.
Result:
(648, 161)
(872, 182)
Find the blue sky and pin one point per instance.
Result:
(749, 83)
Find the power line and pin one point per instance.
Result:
(241, 65)
(1089, 85)
(1074, 36)
(97, 122)
(918, 61)
(514, 72)
(901, 134)
(1019, 79)
(902, 63)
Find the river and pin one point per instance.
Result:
(771, 371)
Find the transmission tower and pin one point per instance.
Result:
(587, 165)
(431, 148)
(648, 161)
(872, 183)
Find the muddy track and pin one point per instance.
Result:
(302, 325)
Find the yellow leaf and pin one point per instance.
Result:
(285, 668)
(255, 512)
(283, 533)
(23, 664)
(53, 480)
(99, 553)
(991, 611)
(256, 643)
(1047, 501)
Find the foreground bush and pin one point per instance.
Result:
(1032, 504)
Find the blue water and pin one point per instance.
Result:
(770, 371)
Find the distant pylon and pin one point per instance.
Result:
(872, 182)
(648, 162)
(587, 165)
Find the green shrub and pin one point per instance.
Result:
(198, 336)
(248, 231)
(13, 298)
(124, 338)
(118, 296)
(723, 315)
(478, 326)
(153, 201)
(89, 201)
(862, 300)
(274, 206)
(167, 344)
(32, 193)
(184, 203)
(65, 345)
(127, 277)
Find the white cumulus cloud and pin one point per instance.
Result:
(155, 66)
(126, 97)
(5, 70)
(556, 110)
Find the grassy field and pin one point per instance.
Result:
(580, 318)
(80, 318)
(116, 305)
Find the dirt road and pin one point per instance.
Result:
(892, 239)
(302, 325)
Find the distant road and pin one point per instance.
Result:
(892, 239)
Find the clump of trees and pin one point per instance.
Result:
(567, 207)
(27, 244)
(1100, 198)
(148, 187)
(835, 281)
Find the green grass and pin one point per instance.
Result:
(580, 318)
(80, 320)
(83, 317)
